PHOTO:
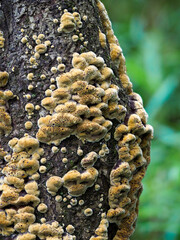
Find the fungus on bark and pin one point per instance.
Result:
(89, 105)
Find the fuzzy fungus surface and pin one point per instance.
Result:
(74, 137)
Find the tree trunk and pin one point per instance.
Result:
(74, 140)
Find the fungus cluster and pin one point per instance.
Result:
(133, 144)
(101, 233)
(5, 118)
(115, 50)
(102, 39)
(2, 40)
(41, 47)
(49, 231)
(86, 103)
(29, 108)
(82, 104)
(53, 184)
(104, 150)
(118, 200)
(3, 79)
(89, 160)
(127, 174)
(77, 183)
(18, 187)
(69, 22)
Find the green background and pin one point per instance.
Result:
(149, 34)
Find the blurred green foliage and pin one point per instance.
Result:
(149, 34)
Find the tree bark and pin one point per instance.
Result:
(24, 25)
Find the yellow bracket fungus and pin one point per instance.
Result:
(85, 103)
(3, 78)
(5, 119)
(41, 48)
(79, 84)
(69, 22)
(48, 231)
(102, 230)
(53, 184)
(42, 208)
(89, 160)
(133, 139)
(102, 39)
(77, 183)
(2, 40)
(88, 212)
(22, 164)
(29, 108)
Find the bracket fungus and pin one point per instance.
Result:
(89, 101)
(102, 231)
(22, 163)
(88, 212)
(3, 78)
(89, 160)
(5, 119)
(53, 184)
(41, 48)
(102, 39)
(69, 22)
(85, 95)
(2, 40)
(77, 183)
